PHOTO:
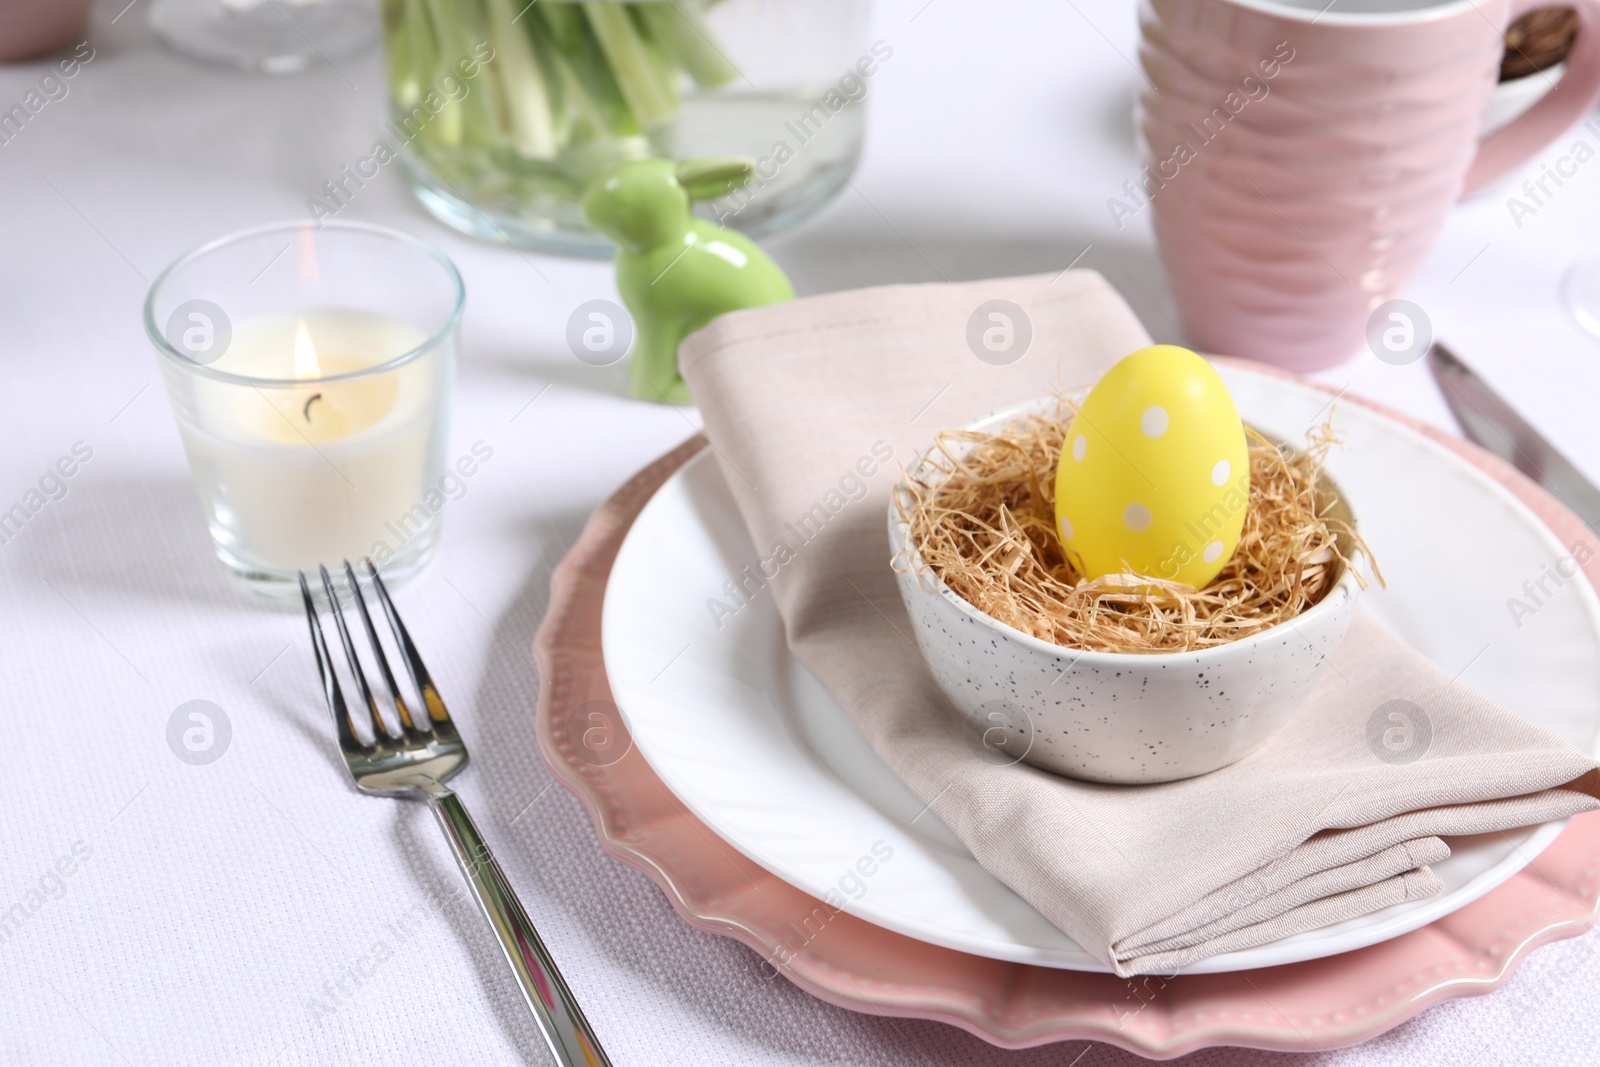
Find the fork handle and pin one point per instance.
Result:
(571, 1039)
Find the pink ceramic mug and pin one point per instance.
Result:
(32, 28)
(1301, 159)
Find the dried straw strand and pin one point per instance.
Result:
(981, 510)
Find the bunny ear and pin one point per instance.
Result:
(707, 179)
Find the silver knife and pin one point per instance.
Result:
(1490, 422)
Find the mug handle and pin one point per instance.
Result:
(1526, 135)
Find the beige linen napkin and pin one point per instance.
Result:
(1311, 829)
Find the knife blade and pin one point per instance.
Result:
(1490, 422)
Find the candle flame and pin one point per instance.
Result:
(305, 353)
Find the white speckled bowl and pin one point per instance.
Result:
(1114, 717)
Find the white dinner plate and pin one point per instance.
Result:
(759, 751)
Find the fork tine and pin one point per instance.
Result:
(406, 725)
(331, 691)
(438, 716)
(380, 732)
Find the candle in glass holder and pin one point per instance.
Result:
(317, 431)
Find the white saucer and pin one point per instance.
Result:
(759, 751)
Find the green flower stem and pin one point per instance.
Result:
(667, 74)
(678, 29)
(457, 26)
(529, 109)
(647, 94)
(578, 53)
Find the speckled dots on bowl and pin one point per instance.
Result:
(1114, 717)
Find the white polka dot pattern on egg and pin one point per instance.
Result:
(1163, 477)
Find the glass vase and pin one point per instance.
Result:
(503, 111)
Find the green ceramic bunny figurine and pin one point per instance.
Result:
(677, 272)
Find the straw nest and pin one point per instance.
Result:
(981, 510)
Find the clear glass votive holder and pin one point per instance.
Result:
(311, 370)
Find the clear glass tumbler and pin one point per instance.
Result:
(311, 371)
(502, 112)
(268, 36)
(1581, 291)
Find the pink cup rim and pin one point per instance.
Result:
(1416, 11)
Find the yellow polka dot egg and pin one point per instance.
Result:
(1154, 476)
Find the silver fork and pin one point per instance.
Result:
(418, 763)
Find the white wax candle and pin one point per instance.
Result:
(321, 471)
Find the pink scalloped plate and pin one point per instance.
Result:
(1319, 1004)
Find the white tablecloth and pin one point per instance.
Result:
(238, 912)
